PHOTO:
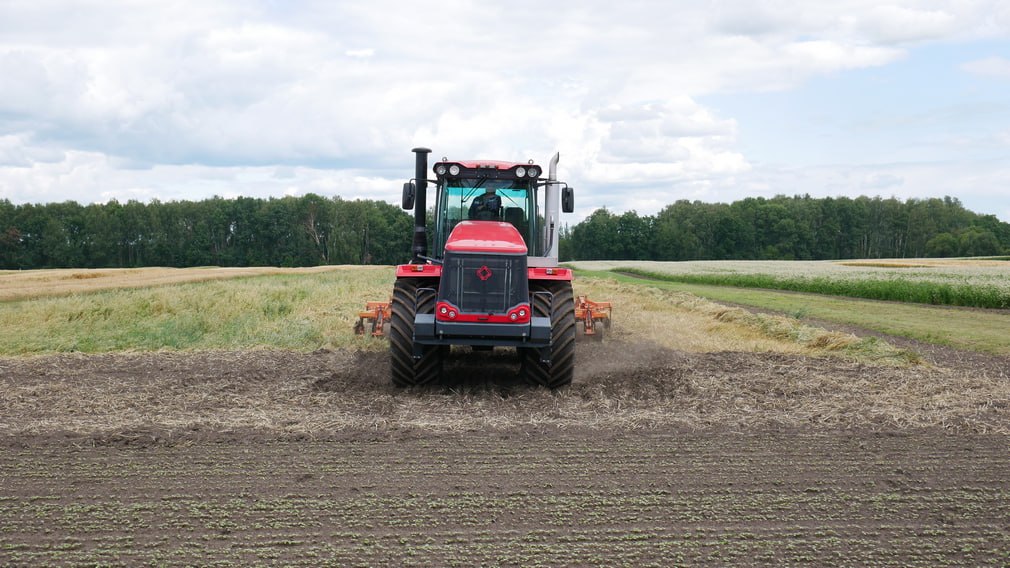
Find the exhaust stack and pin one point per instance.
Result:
(551, 212)
(420, 247)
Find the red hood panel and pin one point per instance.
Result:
(486, 236)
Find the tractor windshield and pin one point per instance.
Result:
(487, 200)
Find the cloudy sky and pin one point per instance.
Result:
(648, 102)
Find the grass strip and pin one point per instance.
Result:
(895, 289)
(981, 331)
(301, 311)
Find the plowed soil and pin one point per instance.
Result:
(653, 457)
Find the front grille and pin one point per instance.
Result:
(484, 283)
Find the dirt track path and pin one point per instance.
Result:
(516, 498)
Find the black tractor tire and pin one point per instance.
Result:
(561, 370)
(405, 370)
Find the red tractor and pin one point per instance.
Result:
(493, 278)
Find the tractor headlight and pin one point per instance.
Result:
(440, 169)
(520, 171)
(454, 170)
(534, 172)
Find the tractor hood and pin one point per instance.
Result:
(487, 237)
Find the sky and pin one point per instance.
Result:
(647, 102)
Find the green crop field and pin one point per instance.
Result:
(828, 291)
(979, 283)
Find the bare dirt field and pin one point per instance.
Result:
(653, 457)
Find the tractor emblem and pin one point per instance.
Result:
(484, 273)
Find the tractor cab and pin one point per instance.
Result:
(487, 191)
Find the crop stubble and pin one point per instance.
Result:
(653, 457)
(523, 498)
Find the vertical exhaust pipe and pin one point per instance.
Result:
(420, 247)
(551, 209)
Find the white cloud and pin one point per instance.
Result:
(662, 143)
(90, 177)
(16, 151)
(998, 67)
(365, 52)
(186, 99)
(894, 23)
(979, 185)
(816, 55)
(881, 182)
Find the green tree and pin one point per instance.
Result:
(944, 245)
(978, 242)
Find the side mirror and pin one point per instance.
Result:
(409, 190)
(567, 199)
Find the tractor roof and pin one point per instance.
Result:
(496, 164)
(490, 169)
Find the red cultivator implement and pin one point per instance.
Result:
(593, 315)
(375, 316)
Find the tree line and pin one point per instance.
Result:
(290, 231)
(789, 228)
(313, 230)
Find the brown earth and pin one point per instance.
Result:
(653, 457)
